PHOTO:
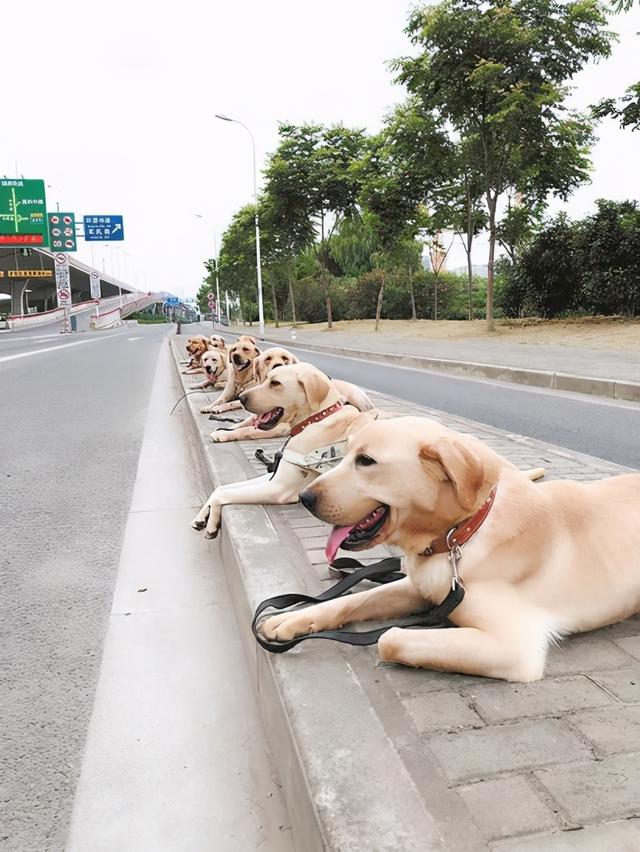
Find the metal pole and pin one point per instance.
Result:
(215, 251)
(255, 199)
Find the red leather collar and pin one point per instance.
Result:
(462, 532)
(315, 418)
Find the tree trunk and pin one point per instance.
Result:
(435, 297)
(275, 305)
(467, 248)
(492, 253)
(328, 303)
(414, 315)
(379, 305)
(293, 302)
(470, 281)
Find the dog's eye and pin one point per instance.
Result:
(275, 383)
(364, 461)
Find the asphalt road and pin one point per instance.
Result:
(598, 427)
(606, 429)
(71, 425)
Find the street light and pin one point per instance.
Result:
(255, 198)
(215, 252)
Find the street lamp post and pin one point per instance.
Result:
(255, 198)
(215, 251)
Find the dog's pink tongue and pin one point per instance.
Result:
(336, 537)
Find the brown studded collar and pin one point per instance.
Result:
(315, 418)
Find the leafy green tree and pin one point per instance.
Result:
(404, 173)
(626, 109)
(311, 184)
(238, 261)
(497, 72)
(608, 248)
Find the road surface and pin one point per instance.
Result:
(75, 417)
(603, 428)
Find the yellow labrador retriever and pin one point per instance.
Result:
(547, 560)
(276, 356)
(310, 405)
(196, 347)
(214, 365)
(240, 372)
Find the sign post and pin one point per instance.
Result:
(63, 288)
(23, 213)
(62, 231)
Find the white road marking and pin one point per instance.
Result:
(55, 348)
(36, 337)
(134, 338)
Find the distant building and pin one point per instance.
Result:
(478, 269)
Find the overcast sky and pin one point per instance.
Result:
(113, 104)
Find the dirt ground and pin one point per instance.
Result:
(593, 333)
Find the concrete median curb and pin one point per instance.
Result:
(609, 388)
(345, 784)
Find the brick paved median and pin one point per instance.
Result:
(552, 765)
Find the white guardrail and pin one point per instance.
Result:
(100, 319)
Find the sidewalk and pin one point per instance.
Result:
(572, 368)
(379, 757)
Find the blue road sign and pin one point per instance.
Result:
(172, 300)
(103, 229)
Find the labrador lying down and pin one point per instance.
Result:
(548, 560)
(214, 366)
(250, 430)
(311, 405)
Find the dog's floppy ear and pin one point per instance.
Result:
(316, 385)
(461, 467)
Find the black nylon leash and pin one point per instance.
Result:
(385, 571)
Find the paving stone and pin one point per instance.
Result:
(596, 791)
(583, 654)
(506, 806)
(476, 753)
(411, 682)
(623, 683)
(499, 702)
(441, 711)
(314, 542)
(631, 645)
(622, 836)
(616, 729)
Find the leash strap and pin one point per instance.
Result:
(385, 571)
(271, 464)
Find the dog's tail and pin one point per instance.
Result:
(535, 473)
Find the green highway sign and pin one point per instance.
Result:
(62, 231)
(23, 213)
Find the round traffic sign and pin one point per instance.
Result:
(55, 220)
(68, 244)
(68, 232)
(63, 295)
(55, 232)
(66, 220)
(61, 258)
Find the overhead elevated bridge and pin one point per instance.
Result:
(28, 293)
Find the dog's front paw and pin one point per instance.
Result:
(288, 625)
(219, 436)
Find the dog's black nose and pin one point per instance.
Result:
(242, 398)
(308, 500)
